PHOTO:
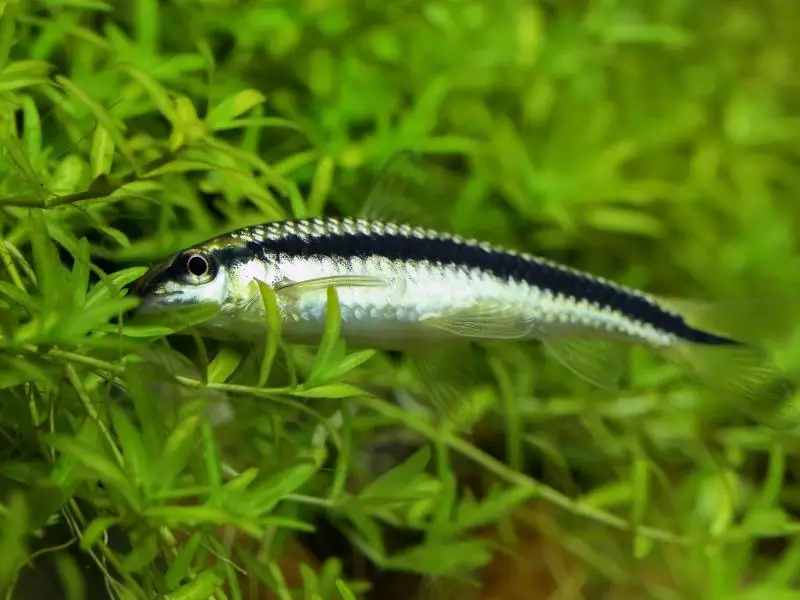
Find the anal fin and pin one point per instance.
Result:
(598, 361)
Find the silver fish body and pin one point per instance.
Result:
(398, 284)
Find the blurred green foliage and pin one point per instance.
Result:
(654, 143)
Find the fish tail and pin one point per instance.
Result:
(723, 346)
(743, 375)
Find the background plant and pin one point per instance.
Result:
(652, 143)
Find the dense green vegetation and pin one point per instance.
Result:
(654, 143)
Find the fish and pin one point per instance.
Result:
(402, 286)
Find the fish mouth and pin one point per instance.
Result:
(141, 285)
(144, 285)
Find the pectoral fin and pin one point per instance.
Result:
(323, 283)
(486, 320)
(253, 308)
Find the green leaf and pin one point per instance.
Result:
(111, 285)
(272, 317)
(184, 166)
(241, 482)
(64, 472)
(770, 493)
(344, 590)
(202, 587)
(32, 131)
(98, 464)
(45, 259)
(15, 371)
(179, 446)
(22, 164)
(310, 583)
(442, 558)
(14, 295)
(344, 454)
(90, 318)
(8, 37)
(396, 481)
(143, 554)
(233, 106)
(24, 73)
(321, 186)
(471, 514)
(624, 220)
(115, 235)
(13, 252)
(367, 535)
(95, 530)
(147, 408)
(80, 273)
(69, 176)
(187, 128)
(348, 363)
(331, 391)
(330, 345)
(115, 130)
(102, 154)
(224, 365)
(211, 456)
(769, 522)
(195, 516)
(617, 493)
(13, 539)
(133, 449)
(328, 574)
(179, 568)
(445, 505)
(253, 122)
(262, 498)
(71, 577)
(158, 94)
(138, 331)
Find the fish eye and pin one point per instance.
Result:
(199, 268)
(197, 265)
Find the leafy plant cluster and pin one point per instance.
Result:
(652, 143)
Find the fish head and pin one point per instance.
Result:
(190, 277)
(215, 272)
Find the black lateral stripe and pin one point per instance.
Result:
(505, 265)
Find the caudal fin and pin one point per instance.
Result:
(743, 375)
